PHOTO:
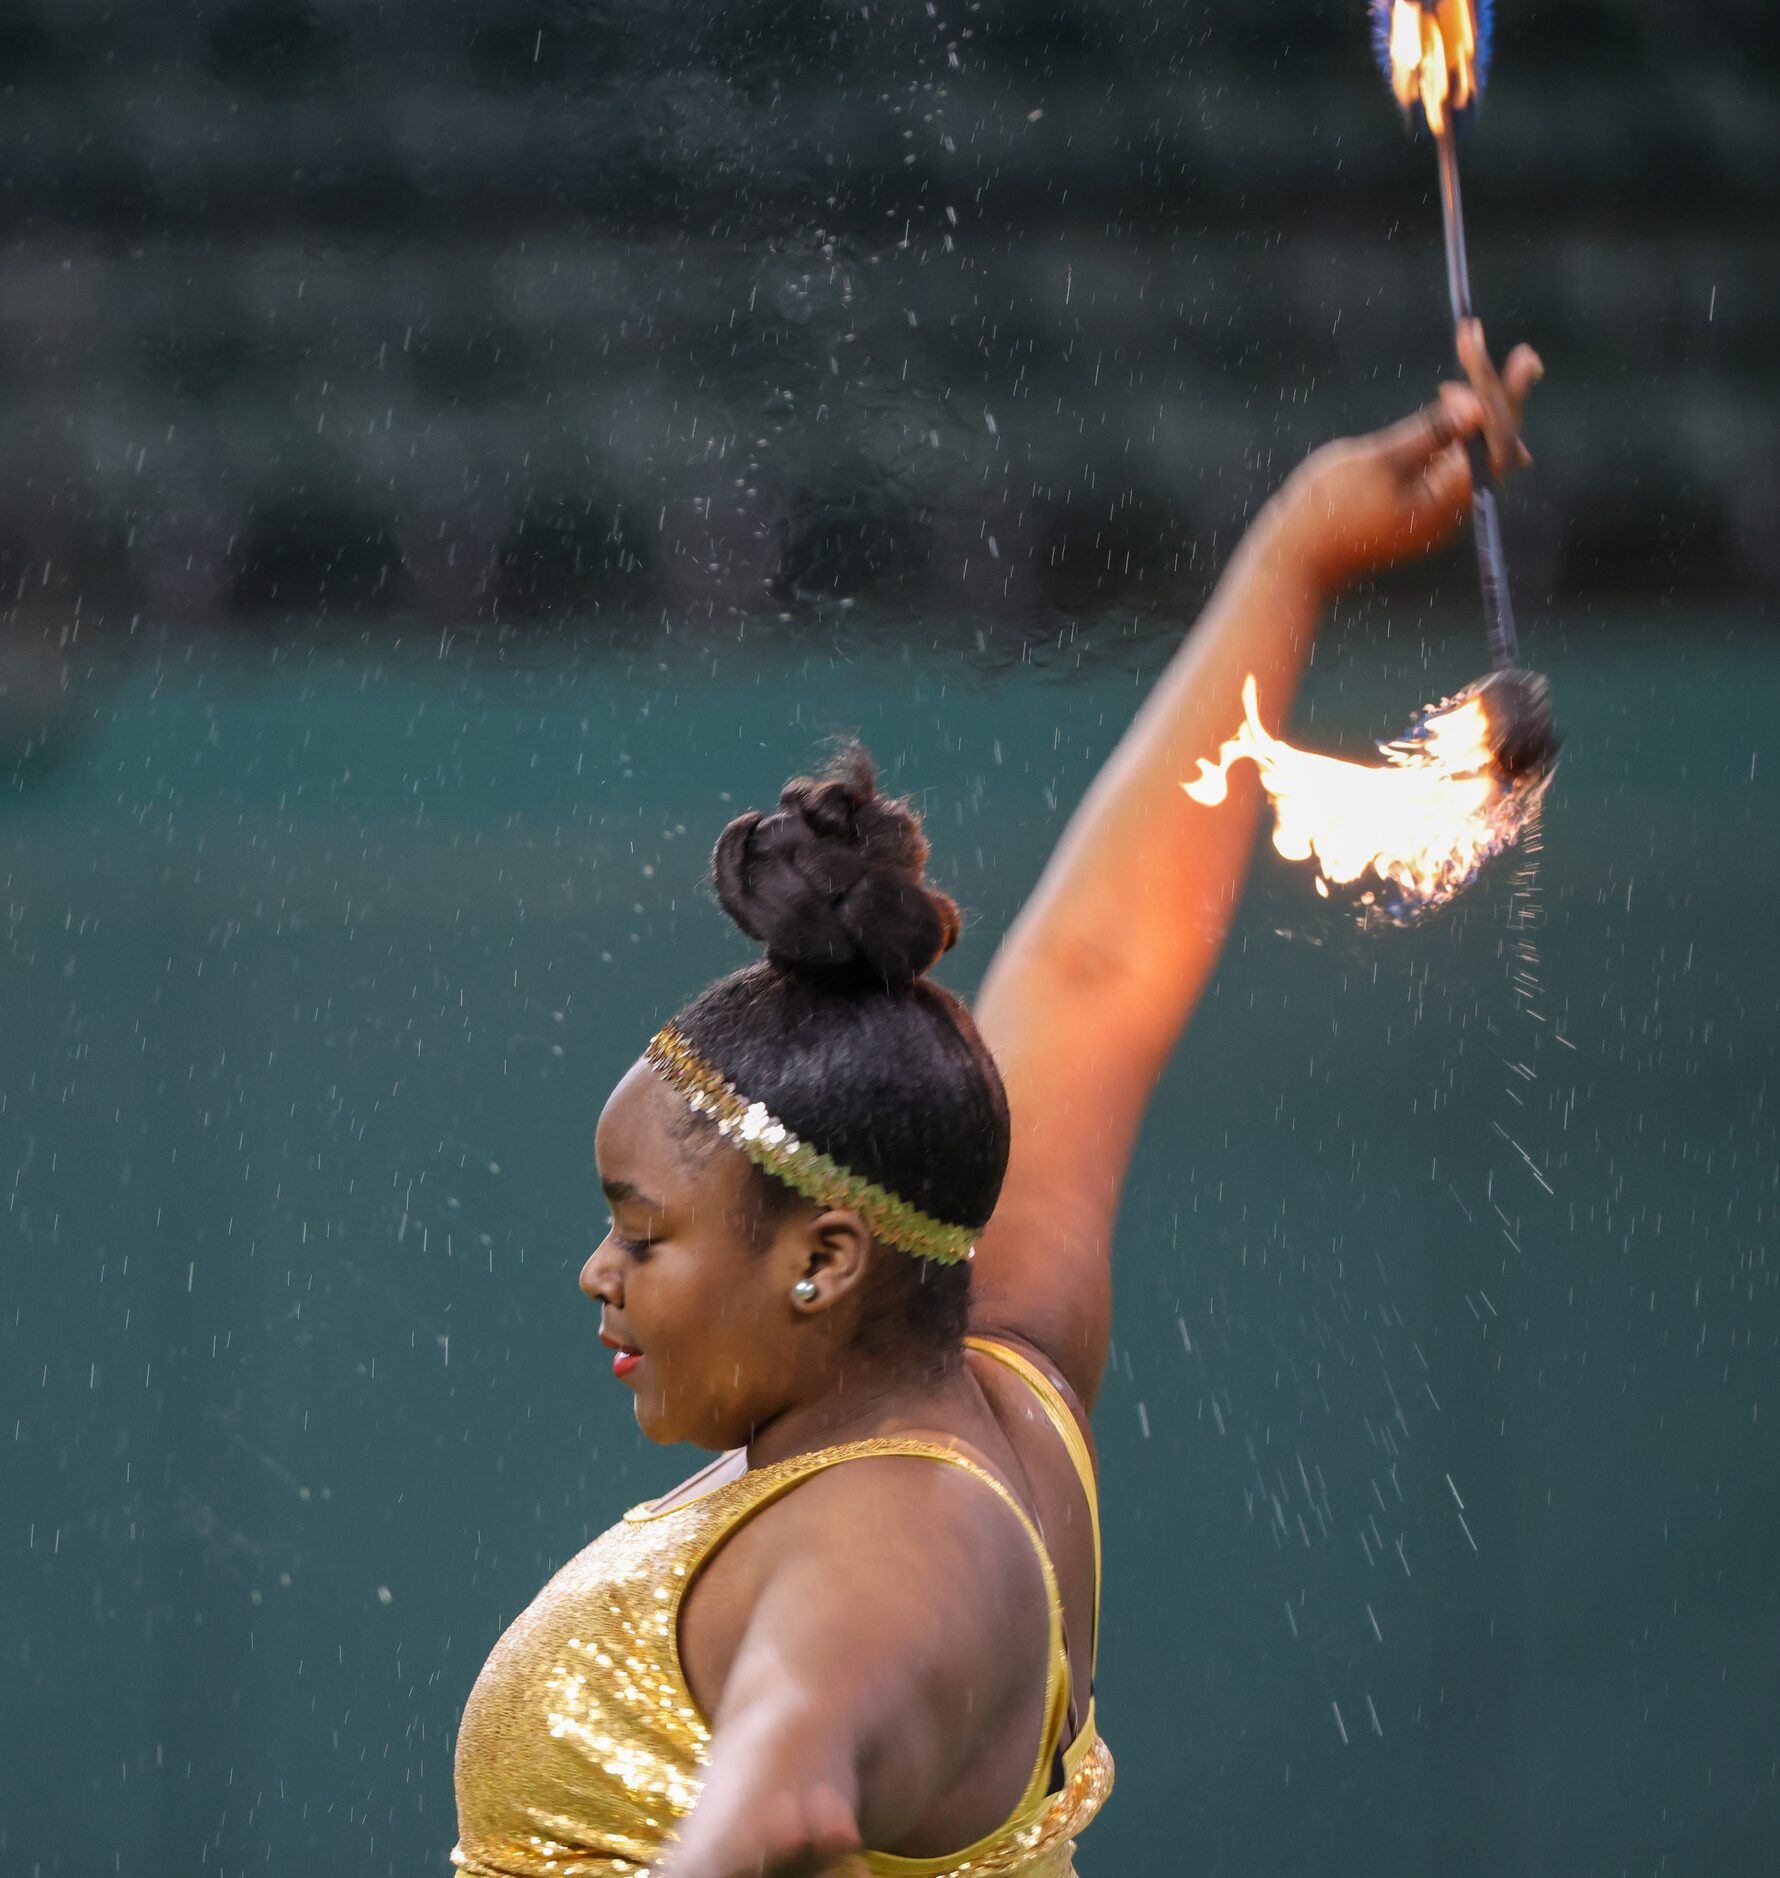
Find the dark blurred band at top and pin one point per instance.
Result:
(522, 310)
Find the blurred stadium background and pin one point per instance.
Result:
(498, 310)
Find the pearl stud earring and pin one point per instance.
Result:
(804, 1291)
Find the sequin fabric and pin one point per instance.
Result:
(581, 1746)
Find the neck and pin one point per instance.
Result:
(855, 1396)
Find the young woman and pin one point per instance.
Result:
(859, 1247)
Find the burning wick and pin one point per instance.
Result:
(1423, 822)
(1431, 47)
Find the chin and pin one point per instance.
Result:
(667, 1430)
(655, 1426)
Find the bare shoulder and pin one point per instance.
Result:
(985, 1328)
(908, 1516)
(916, 1568)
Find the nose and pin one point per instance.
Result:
(599, 1276)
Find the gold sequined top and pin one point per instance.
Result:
(582, 1746)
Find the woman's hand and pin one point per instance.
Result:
(794, 1833)
(1360, 504)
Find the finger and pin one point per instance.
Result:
(827, 1833)
(1461, 417)
(1465, 412)
(830, 1822)
(1523, 371)
(1411, 444)
(1500, 427)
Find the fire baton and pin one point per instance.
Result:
(1436, 55)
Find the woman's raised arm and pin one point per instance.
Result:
(1087, 996)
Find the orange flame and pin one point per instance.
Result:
(1424, 821)
(1434, 57)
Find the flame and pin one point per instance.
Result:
(1424, 821)
(1433, 55)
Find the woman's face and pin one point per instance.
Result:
(706, 1322)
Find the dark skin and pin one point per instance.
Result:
(866, 1646)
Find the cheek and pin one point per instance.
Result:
(715, 1372)
(683, 1318)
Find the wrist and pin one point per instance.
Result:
(1286, 542)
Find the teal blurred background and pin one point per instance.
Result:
(1440, 1482)
(453, 457)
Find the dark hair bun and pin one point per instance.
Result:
(831, 884)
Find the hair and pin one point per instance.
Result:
(840, 1034)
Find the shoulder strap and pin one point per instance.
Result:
(773, 1482)
(1069, 1430)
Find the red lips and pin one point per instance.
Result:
(624, 1358)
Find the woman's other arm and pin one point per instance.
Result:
(1087, 996)
(871, 1669)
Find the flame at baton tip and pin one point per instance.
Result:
(1434, 53)
(1424, 821)
(1406, 52)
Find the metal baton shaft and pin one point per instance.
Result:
(1486, 520)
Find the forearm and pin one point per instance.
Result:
(1142, 886)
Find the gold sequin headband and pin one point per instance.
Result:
(768, 1143)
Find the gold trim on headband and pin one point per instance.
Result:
(768, 1143)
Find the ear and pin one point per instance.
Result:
(832, 1251)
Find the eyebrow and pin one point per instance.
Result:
(621, 1191)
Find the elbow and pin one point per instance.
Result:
(1084, 963)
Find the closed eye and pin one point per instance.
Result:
(635, 1248)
